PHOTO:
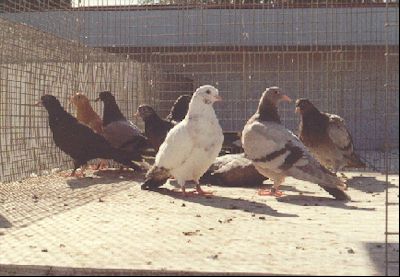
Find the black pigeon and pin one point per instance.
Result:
(119, 131)
(180, 108)
(232, 143)
(155, 128)
(80, 142)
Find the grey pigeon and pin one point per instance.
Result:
(119, 131)
(277, 153)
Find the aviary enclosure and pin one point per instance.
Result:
(342, 55)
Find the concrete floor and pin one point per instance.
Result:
(104, 224)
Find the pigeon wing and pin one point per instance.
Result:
(176, 148)
(275, 148)
(119, 132)
(339, 134)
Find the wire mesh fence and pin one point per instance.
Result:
(332, 52)
(342, 55)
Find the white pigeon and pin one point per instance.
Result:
(191, 146)
(277, 153)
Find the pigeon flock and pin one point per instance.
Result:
(187, 143)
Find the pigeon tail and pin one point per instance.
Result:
(354, 161)
(337, 193)
(125, 158)
(155, 178)
(138, 142)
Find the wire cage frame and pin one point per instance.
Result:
(341, 54)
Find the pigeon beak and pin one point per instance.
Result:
(39, 104)
(97, 99)
(136, 114)
(217, 98)
(286, 98)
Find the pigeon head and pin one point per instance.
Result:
(145, 111)
(304, 106)
(106, 96)
(208, 94)
(274, 95)
(79, 100)
(51, 103)
(267, 108)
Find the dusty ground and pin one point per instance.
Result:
(106, 221)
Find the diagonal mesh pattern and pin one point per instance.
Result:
(341, 54)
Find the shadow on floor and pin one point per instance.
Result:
(221, 202)
(368, 184)
(4, 223)
(103, 177)
(377, 256)
(306, 200)
(52, 197)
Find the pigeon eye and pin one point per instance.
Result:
(208, 91)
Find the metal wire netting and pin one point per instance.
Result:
(343, 55)
(332, 52)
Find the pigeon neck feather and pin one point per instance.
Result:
(314, 121)
(84, 113)
(267, 111)
(112, 113)
(152, 118)
(197, 107)
(58, 113)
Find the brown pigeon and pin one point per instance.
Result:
(327, 137)
(85, 113)
(277, 153)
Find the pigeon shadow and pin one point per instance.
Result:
(376, 253)
(4, 223)
(103, 177)
(265, 185)
(222, 202)
(289, 188)
(306, 200)
(368, 184)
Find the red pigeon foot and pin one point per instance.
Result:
(271, 192)
(202, 192)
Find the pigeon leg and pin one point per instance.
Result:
(273, 191)
(73, 173)
(344, 176)
(200, 191)
(102, 165)
(183, 188)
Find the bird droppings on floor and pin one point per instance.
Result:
(103, 221)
